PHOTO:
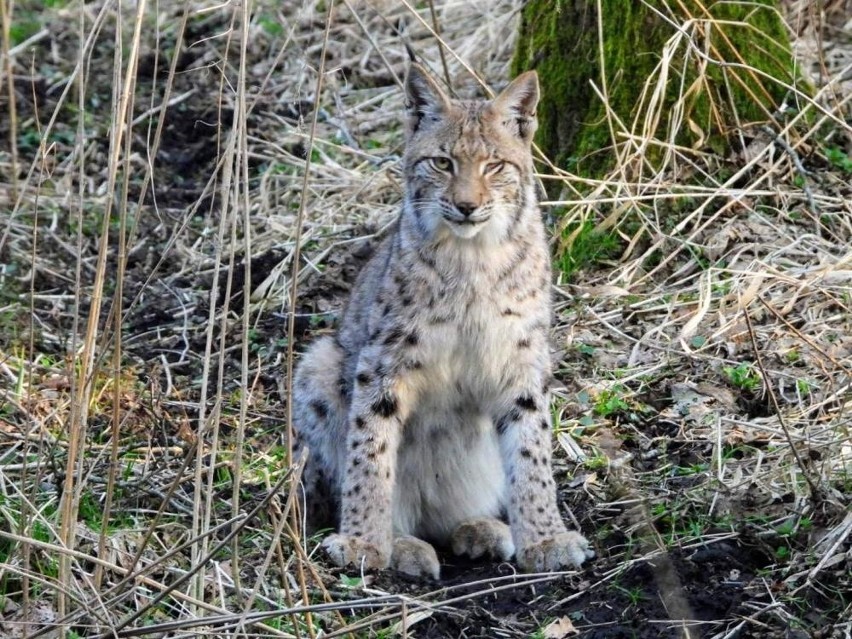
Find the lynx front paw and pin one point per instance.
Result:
(483, 536)
(347, 549)
(415, 557)
(564, 550)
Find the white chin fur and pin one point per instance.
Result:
(465, 231)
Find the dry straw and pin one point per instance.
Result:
(189, 188)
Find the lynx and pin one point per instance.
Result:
(426, 416)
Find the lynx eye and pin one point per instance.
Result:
(442, 164)
(494, 167)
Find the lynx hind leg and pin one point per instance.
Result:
(319, 423)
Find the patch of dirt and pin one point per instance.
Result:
(722, 582)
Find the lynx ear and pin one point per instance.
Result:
(424, 99)
(516, 105)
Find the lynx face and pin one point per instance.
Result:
(468, 162)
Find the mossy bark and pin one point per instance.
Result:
(716, 92)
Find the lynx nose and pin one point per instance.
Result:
(466, 208)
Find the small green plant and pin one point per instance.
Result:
(351, 582)
(610, 402)
(585, 349)
(271, 26)
(634, 595)
(692, 469)
(585, 246)
(743, 375)
(839, 158)
(596, 462)
(803, 386)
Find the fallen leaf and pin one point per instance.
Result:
(560, 628)
(401, 627)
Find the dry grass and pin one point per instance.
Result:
(144, 477)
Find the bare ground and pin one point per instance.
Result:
(702, 423)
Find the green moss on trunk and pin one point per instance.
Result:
(560, 40)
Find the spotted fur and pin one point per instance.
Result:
(442, 433)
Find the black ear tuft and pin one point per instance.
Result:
(424, 99)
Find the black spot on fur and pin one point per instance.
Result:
(524, 343)
(363, 378)
(526, 402)
(383, 448)
(393, 336)
(385, 406)
(545, 425)
(356, 461)
(412, 339)
(525, 452)
(427, 259)
(406, 300)
(320, 408)
(507, 312)
(502, 425)
(540, 509)
(359, 422)
(414, 365)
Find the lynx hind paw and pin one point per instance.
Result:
(415, 557)
(483, 536)
(565, 550)
(347, 549)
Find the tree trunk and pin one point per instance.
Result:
(717, 68)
